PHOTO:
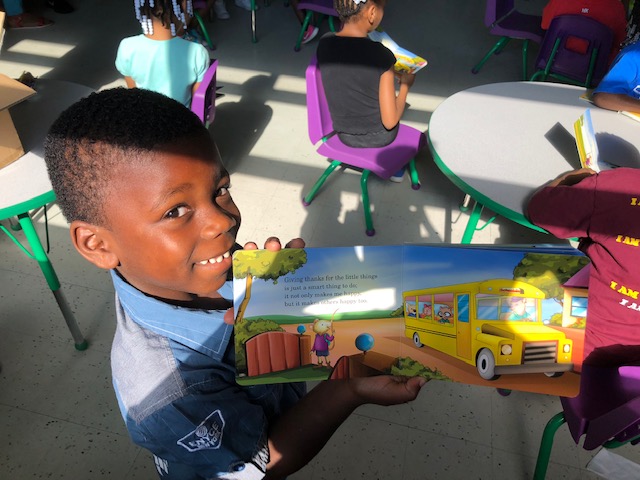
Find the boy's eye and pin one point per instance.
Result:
(177, 212)
(222, 191)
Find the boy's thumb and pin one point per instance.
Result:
(229, 316)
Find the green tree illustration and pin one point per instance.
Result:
(266, 265)
(549, 272)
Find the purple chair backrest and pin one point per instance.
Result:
(569, 61)
(318, 116)
(203, 102)
(497, 10)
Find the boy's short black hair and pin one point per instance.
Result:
(104, 132)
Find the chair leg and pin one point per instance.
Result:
(545, 445)
(413, 174)
(305, 24)
(332, 25)
(366, 204)
(497, 48)
(306, 201)
(592, 63)
(525, 48)
(254, 38)
(205, 34)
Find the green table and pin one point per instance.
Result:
(25, 183)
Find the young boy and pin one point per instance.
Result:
(603, 210)
(148, 198)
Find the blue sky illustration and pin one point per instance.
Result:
(342, 277)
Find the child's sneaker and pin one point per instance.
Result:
(221, 10)
(397, 177)
(310, 34)
(246, 4)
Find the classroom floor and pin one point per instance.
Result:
(58, 413)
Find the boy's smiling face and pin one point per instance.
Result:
(172, 224)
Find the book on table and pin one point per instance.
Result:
(406, 61)
(508, 317)
(587, 144)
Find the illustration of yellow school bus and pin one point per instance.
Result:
(495, 325)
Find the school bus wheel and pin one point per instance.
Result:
(553, 374)
(486, 364)
(416, 340)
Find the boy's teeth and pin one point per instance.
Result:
(217, 259)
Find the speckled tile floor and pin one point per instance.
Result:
(58, 414)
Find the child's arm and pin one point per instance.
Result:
(194, 88)
(297, 436)
(130, 82)
(392, 106)
(616, 101)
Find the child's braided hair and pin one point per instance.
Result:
(166, 10)
(349, 9)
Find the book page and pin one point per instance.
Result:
(406, 61)
(586, 141)
(454, 313)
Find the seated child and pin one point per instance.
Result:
(359, 78)
(148, 198)
(603, 211)
(620, 87)
(159, 59)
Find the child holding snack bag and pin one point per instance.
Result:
(359, 78)
(141, 181)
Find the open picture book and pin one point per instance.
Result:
(587, 144)
(406, 61)
(508, 317)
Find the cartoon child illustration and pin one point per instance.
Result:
(426, 311)
(411, 310)
(322, 343)
(445, 314)
(517, 309)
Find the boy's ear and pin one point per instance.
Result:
(93, 243)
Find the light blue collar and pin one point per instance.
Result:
(200, 330)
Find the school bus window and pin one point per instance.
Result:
(579, 306)
(444, 308)
(518, 309)
(425, 309)
(410, 308)
(463, 308)
(487, 307)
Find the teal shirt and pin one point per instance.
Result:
(170, 67)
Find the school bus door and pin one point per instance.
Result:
(463, 333)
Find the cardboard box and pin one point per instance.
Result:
(11, 93)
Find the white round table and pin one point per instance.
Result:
(499, 142)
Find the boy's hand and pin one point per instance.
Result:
(387, 389)
(573, 177)
(273, 244)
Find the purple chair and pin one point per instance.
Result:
(575, 49)
(503, 20)
(606, 412)
(383, 161)
(203, 102)
(324, 8)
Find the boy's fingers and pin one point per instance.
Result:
(272, 244)
(229, 316)
(295, 243)
(250, 246)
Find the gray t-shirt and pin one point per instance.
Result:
(351, 68)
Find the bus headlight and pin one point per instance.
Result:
(506, 349)
(566, 348)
